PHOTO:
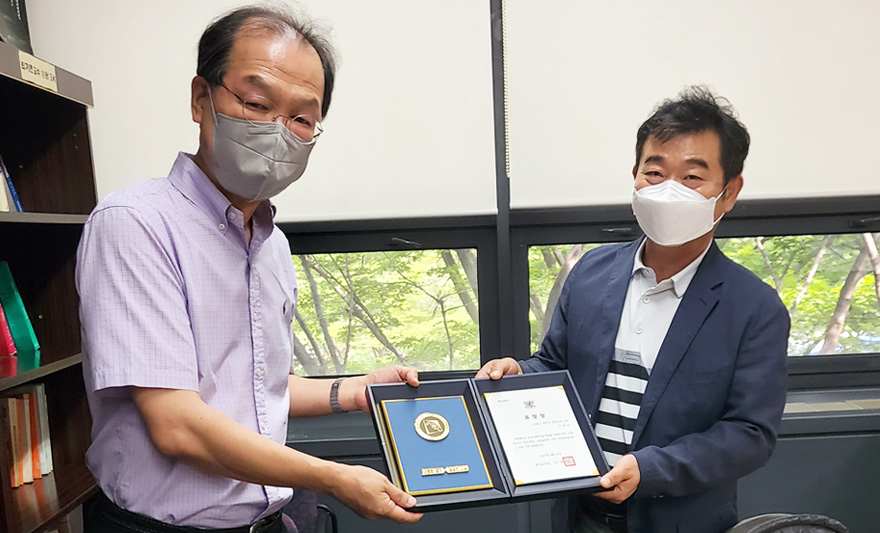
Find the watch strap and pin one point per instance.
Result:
(334, 397)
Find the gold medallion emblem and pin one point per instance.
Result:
(431, 426)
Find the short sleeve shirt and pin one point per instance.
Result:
(173, 296)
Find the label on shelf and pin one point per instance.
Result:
(37, 71)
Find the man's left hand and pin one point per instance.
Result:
(389, 374)
(622, 480)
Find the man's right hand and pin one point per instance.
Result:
(500, 367)
(372, 496)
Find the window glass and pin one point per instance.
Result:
(360, 311)
(829, 283)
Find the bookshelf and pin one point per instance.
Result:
(45, 144)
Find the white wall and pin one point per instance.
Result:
(410, 129)
(409, 132)
(803, 74)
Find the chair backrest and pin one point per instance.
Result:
(789, 523)
(326, 522)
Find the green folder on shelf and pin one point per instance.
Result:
(19, 324)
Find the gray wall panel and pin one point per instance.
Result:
(838, 476)
(507, 518)
(825, 462)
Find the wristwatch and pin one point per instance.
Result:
(334, 397)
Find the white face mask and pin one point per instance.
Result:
(672, 214)
(256, 161)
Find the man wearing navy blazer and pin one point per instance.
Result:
(678, 353)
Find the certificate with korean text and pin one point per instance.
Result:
(540, 435)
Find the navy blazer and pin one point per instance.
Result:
(715, 396)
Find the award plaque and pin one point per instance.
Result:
(435, 445)
(467, 442)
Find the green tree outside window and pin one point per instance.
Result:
(830, 284)
(361, 311)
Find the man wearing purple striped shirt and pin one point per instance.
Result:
(187, 297)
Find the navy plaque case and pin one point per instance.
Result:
(440, 445)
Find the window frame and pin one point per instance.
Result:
(750, 218)
(402, 234)
(593, 224)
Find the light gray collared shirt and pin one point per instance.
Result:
(650, 306)
(647, 314)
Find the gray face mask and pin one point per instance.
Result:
(256, 160)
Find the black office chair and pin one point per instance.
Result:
(789, 523)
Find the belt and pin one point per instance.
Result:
(109, 512)
(604, 512)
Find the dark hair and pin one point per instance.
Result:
(216, 43)
(697, 110)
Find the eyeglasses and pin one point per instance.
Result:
(258, 109)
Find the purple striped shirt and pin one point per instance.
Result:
(172, 296)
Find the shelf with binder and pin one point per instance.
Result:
(33, 504)
(46, 148)
(45, 140)
(41, 372)
(48, 498)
